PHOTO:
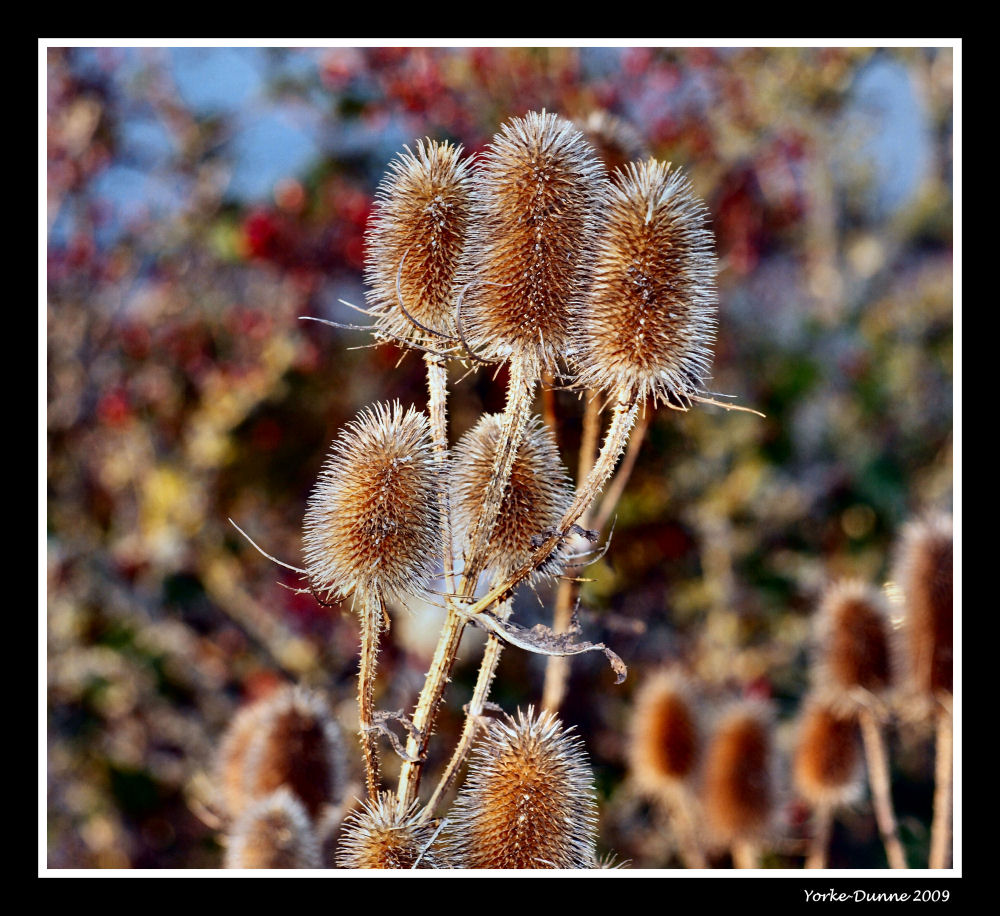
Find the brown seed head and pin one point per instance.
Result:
(738, 791)
(528, 801)
(827, 766)
(422, 207)
(923, 570)
(648, 325)
(376, 836)
(538, 495)
(275, 832)
(535, 199)
(853, 638)
(296, 744)
(372, 521)
(231, 761)
(616, 141)
(665, 744)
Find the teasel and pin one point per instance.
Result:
(738, 790)
(297, 744)
(923, 570)
(528, 800)
(854, 671)
(526, 265)
(274, 832)
(537, 495)
(372, 532)
(827, 768)
(379, 836)
(616, 142)
(664, 753)
(230, 764)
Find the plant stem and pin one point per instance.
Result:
(745, 854)
(943, 763)
(371, 625)
(684, 830)
(878, 778)
(437, 406)
(820, 844)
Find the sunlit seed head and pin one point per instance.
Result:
(923, 570)
(528, 801)
(827, 764)
(377, 836)
(372, 521)
(231, 762)
(665, 740)
(538, 495)
(647, 327)
(296, 743)
(274, 832)
(419, 224)
(738, 792)
(616, 141)
(853, 641)
(536, 199)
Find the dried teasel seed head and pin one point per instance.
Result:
(665, 742)
(648, 324)
(738, 794)
(852, 632)
(231, 762)
(377, 836)
(827, 765)
(536, 194)
(923, 571)
(372, 522)
(416, 239)
(275, 832)
(537, 496)
(297, 744)
(616, 141)
(528, 800)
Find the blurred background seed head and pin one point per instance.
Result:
(201, 199)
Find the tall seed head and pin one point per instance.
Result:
(924, 573)
(372, 521)
(275, 832)
(377, 836)
(738, 789)
(528, 801)
(665, 741)
(616, 141)
(535, 198)
(422, 207)
(853, 639)
(537, 496)
(827, 766)
(231, 763)
(648, 324)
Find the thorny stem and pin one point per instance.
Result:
(878, 778)
(557, 668)
(941, 828)
(372, 613)
(437, 386)
(820, 844)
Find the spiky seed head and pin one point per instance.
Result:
(852, 630)
(738, 792)
(372, 521)
(528, 800)
(923, 571)
(274, 832)
(665, 741)
(296, 743)
(648, 324)
(537, 496)
(231, 762)
(422, 208)
(377, 836)
(536, 194)
(827, 764)
(615, 140)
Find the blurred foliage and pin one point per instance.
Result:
(200, 200)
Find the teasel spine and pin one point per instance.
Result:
(381, 836)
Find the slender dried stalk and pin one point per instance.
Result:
(685, 832)
(819, 846)
(745, 854)
(437, 407)
(878, 778)
(617, 486)
(371, 625)
(941, 828)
